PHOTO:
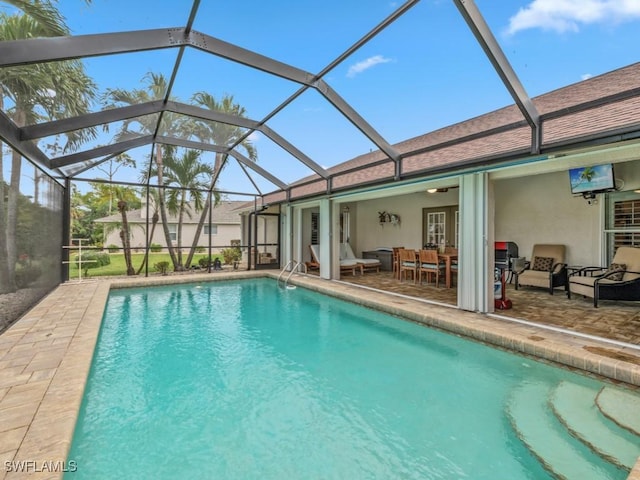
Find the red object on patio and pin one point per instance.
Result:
(502, 303)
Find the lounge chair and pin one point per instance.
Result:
(546, 269)
(346, 253)
(619, 281)
(345, 265)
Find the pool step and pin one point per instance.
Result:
(620, 407)
(575, 406)
(530, 416)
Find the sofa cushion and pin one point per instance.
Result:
(534, 278)
(542, 264)
(630, 256)
(557, 252)
(619, 269)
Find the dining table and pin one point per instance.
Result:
(448, 258)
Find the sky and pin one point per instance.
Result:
(423, 72)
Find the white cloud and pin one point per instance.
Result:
(254, 136)
(586, 76)
(366, 64)
(569, 15)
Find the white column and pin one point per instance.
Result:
(286, 235)
(475, 276)
(325, 239)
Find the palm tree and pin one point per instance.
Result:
(156, 90)
(220, 134)
(154, 222)
(125, 236)
(110, 168)
(45, 14)
(39, 92)
(190, 176)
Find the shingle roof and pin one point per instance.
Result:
(223, 213)
(608, 104)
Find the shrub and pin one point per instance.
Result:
(204, 261)
(27, 274)
(230, 255)
(93, 260)
(113, 248)
(155, 247)
(162, 267)
(200, 249)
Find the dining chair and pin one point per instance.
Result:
(396, 261)
(429, 264)
(408, 263)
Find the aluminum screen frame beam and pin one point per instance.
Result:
(50, 49)
(37, 50)
(496, 56)
(57, 127)
(10, 134)
(115, 148)
(214, 116)
(22, 52)
(354, 117)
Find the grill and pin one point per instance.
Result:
(504, 252)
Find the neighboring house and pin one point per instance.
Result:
(225, 227)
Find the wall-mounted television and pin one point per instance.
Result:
(598, 178)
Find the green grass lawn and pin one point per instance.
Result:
(118, 267)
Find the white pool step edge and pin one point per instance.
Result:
(564, 462)
(575, 408)
(602, 401)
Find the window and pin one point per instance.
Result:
(345, 226)
(440, 226)
(622, 221)
(315, 228)
(210, 230)
(173, 231)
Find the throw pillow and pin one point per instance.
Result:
(619, 269)
(544, 264)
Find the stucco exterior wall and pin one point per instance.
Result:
(541, 209)
(222, 239)
(371, 234)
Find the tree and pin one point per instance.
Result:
(220, 134)
(110, 168)
(125, 235)
(190, 176)
(44, 91)
(83, 214)
(45, 14)
(156, 90)
(154, 222)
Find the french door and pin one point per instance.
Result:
(440, 226)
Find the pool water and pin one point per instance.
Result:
(245, 380)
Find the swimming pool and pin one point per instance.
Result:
(245, 380)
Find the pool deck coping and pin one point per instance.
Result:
(45, 358)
